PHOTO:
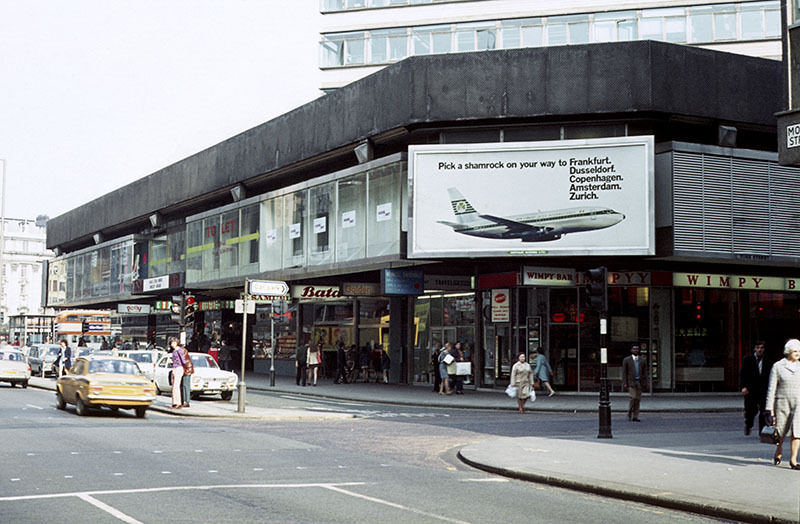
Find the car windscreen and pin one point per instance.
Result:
(122, 367)
(203, 361)
(146, 358)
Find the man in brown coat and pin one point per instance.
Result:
(634, 379)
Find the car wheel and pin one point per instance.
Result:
(140, 411)
(194, 396)
(60, 404)
(25, 384)
(226, 395)
(115, 409)
(80, 407)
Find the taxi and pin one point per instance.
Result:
(105, 381)
(14, 367)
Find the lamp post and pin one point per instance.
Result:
(3, 244)
(242, 387)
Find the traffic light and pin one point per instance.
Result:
(188, 309)
(84, 326)
(596, 296)
(176, 309)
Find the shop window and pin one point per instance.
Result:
(194, 251)
(229, 244)
(177, 251)
(321, 213)
(211, 248)
(351, 224)
(101, 285)
(248, 239)
(295, 229)
(158, 257)
(384, 213)
(273, 234)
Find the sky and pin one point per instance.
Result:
(95, 94)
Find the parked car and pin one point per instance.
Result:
(14, 367)
(105, 381)
(208, 378)
(146, 359)
(42, 358)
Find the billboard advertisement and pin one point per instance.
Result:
(554, 198)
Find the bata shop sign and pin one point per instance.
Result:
(316, 293)
(501, 305)
(748, 282)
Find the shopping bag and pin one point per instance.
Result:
(463, 368)
(511, 391)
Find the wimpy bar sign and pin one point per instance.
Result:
(748, 282)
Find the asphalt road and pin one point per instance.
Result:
(389, 464)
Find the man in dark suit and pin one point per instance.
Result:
(634, 379)
(753, 379)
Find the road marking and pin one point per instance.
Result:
(213, 471)
(67, 476)
(108, 509)
(393, 504)
(15, 480)
(205, 487)
(258, 469)
(119, 474)
(484, 480)
(322, 401)
(31, 454)
(166, 473)
(34, 407)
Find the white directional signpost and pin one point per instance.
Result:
(277, 290)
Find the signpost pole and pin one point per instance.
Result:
(272, 344)
(242, 387)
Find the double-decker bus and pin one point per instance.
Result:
(91, 324)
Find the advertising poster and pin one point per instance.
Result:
(554, 198)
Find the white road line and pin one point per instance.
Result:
(34, 407)
(321, 401)
(484, 480)
(108, 509)
(205, 487)
(393, 505)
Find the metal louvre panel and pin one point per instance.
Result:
(687, 169)
(784, 214)
(750, 198)
(717, 206)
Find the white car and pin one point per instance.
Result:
(14, 367)
(146, 359)
(207, 379)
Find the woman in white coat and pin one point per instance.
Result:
(783, 400)
(522, 378)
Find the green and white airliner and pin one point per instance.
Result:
(534, 227)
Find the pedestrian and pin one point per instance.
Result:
(64, 358)
(437, 378)
(177, 372)
(313, 361)
(300, 365)
(542, 371)
(783, 401)
(634, 380)
(225, 355)
(445, 358)
(341, 363)
(753, 379)
(458, 380)
(186, 379)
(386, 364)
(363, 359)
(522, 379)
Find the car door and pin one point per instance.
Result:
(68, 381)
(162, 373)
(34, 360)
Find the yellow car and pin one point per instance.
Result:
(105, 381)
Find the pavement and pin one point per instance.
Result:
(718, 476)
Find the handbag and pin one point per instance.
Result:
(511, 391)
(769, 435)
(188, 367)
(448, 359)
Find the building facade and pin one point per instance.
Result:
(23, 254)
(360, 37)
(412, 207)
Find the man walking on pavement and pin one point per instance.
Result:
(633, 379)
(753, 379)
(300, 364)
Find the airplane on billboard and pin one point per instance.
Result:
(534, 227)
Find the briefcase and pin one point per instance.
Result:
(769, 435)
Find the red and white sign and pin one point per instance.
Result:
(134, 309)
(501, 305)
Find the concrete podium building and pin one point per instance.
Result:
(463, 197)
